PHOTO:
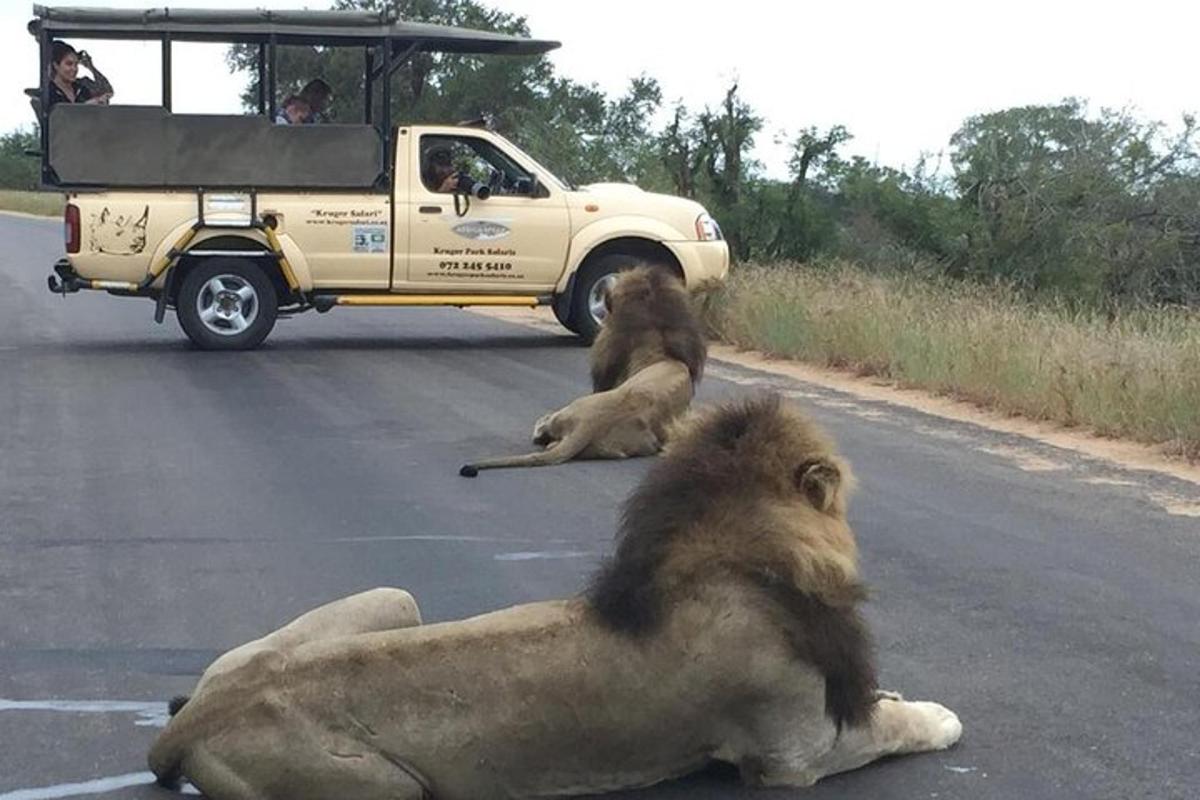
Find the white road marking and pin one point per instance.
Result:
(97, 786)
(149, 714)
(546, 555)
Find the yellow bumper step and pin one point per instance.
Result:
(431, 300)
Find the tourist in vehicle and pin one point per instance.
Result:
(294, 111)
(307, 106)
(439, 173)
(65, 84)
(318, 94)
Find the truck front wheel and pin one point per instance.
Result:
(226, 304)
(597, 277)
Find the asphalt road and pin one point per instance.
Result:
(159, 505)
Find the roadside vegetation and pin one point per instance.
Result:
(1134, 373)
(42, 204)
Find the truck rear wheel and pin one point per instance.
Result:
(226, 304)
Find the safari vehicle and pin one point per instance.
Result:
(232, 221)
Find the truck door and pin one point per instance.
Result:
(515, 240)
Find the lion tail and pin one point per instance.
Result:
(166, 759)
(166, 754)
(560, 452)
(177, 703)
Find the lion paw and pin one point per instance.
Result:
(941, 726)
(542, 436)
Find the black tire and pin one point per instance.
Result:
(238, 319)
(586, 316)
(562, 313)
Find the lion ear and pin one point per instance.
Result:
(819, 480)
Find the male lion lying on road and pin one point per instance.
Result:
(723, 628)
(646, 363)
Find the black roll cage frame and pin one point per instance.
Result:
(384, 37)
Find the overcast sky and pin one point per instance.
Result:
(900, 75)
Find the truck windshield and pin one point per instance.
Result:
(544, 174)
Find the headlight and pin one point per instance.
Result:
(707, 229)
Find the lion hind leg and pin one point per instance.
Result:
(384, 608)
(354, 774)
(324, 774)
(629, 440)
(380, 609)
(215, 779)
(896, 727)
(374, 777)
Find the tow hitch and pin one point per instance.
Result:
(66, 281)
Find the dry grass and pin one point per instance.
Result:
(43, 204)
(1135, 376)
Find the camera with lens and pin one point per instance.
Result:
(469, 186)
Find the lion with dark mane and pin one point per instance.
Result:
(645, 363)
(724, 628)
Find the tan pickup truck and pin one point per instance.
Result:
(510, 234)
(231, 220)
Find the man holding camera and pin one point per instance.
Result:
(441, 176)
(440, 173)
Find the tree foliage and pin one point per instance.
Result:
(18, 170)
(1095, 206)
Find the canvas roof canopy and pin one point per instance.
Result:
(285, 27)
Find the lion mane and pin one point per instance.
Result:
(713, 510)
(651, 319)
